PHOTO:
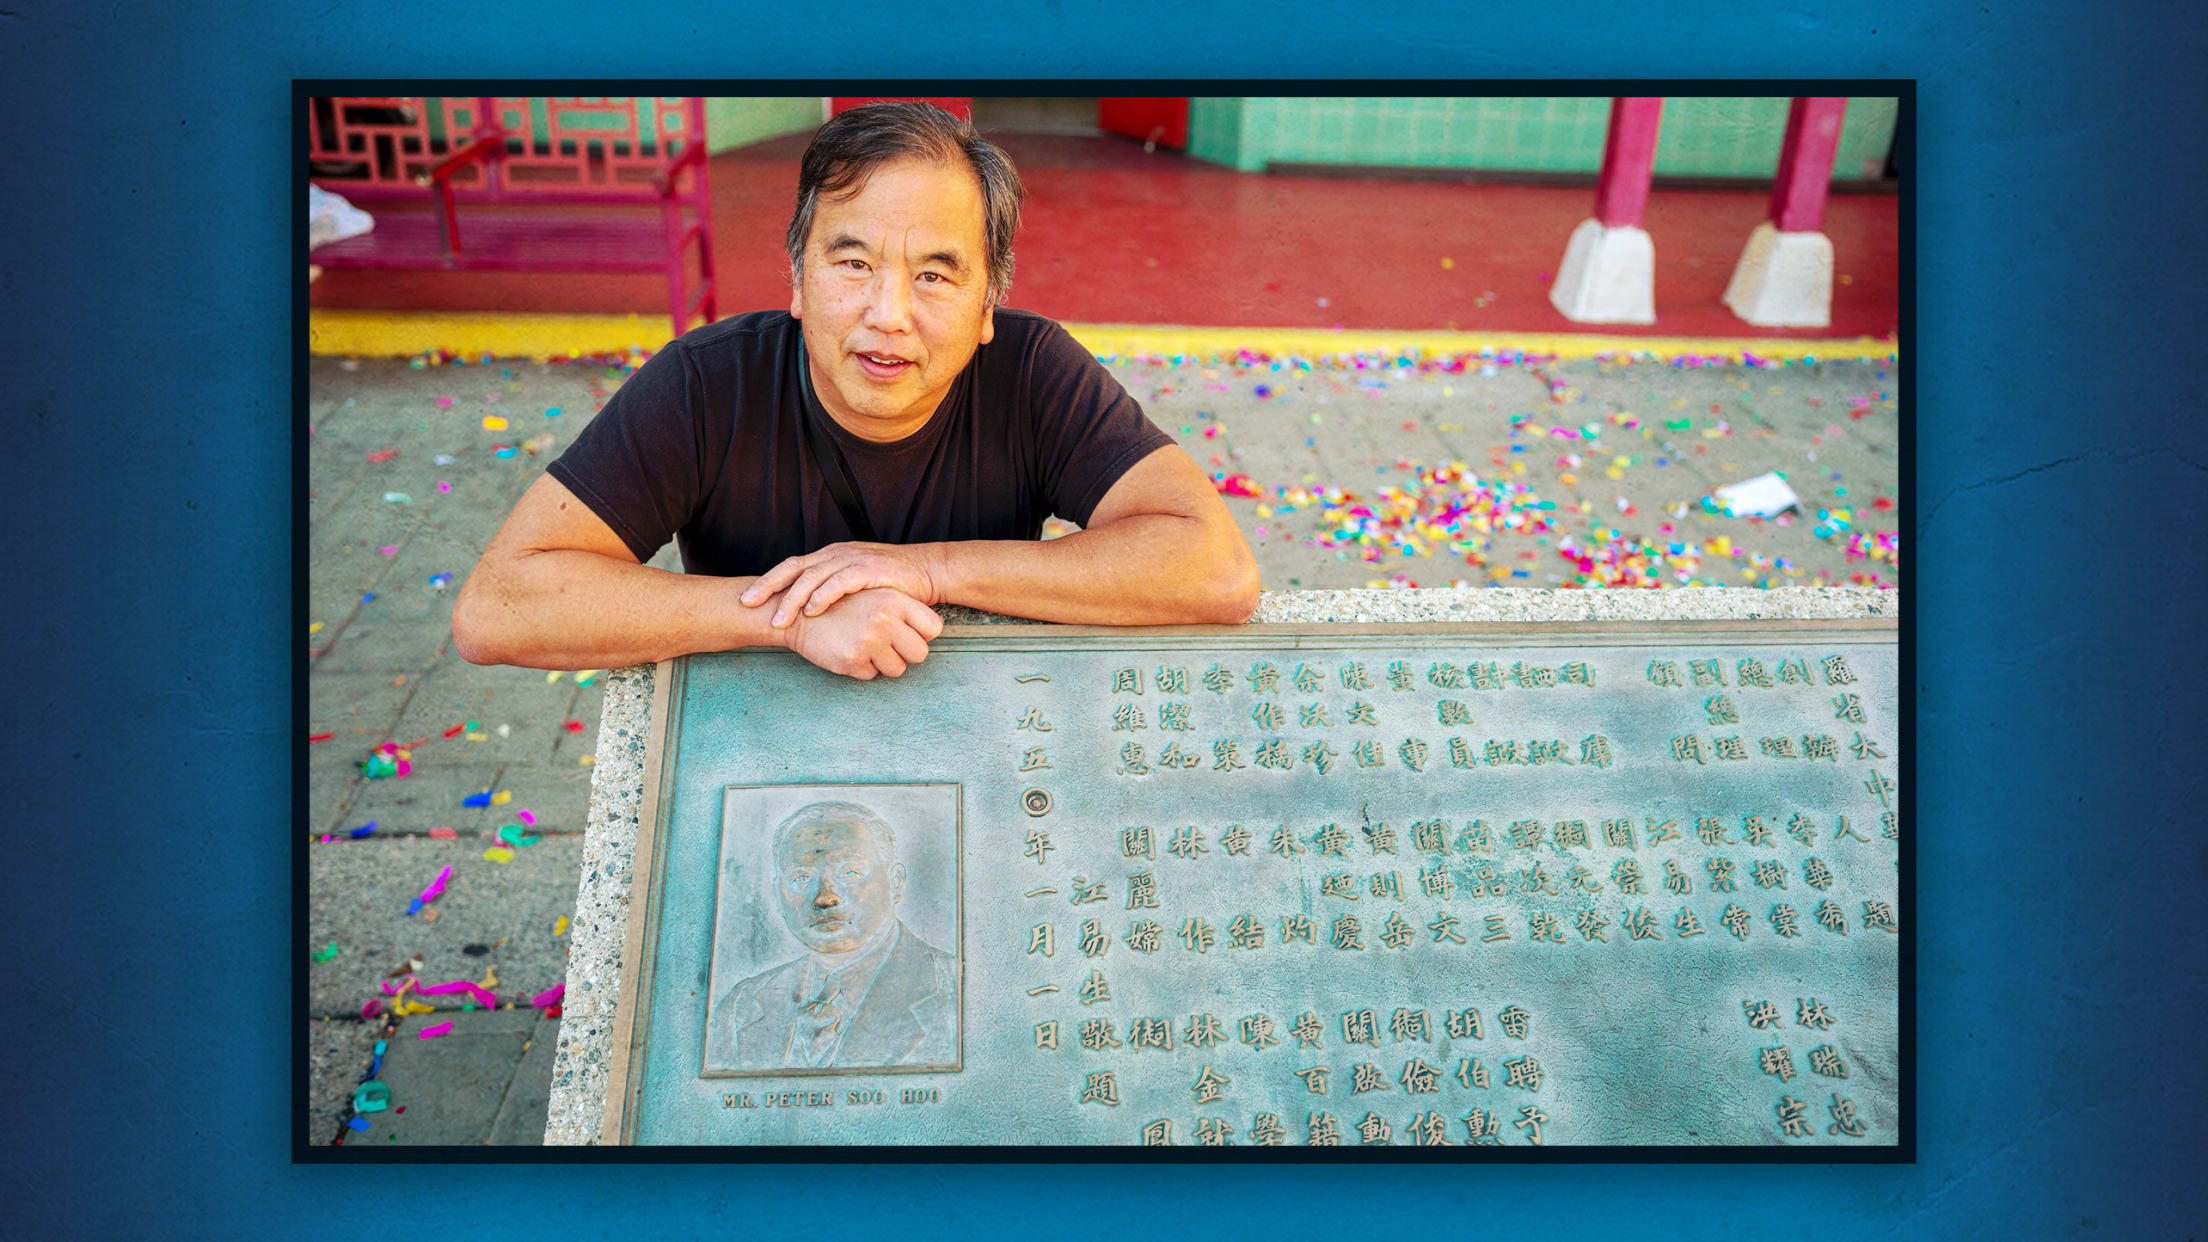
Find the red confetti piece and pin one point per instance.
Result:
(319, 737)
(573, 726)
(383, 455)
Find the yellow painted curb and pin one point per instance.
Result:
(391, 334)
(384, 334)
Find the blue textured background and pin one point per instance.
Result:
(145, 263)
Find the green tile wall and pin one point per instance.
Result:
(737, 122)
(1720, 137)
(1215, 132)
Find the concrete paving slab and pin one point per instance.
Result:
(532, 711)
(357, 896)
(521, 1116)
(558, 794)
(360, 708)
(473, 1085)
(330, 791)
(338, 1053)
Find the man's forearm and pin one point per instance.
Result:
(1146, 569)
(568, 609)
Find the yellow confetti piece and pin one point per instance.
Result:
(502, 797)
(492, 422)
(415, 1006)
(1615, 473)
(586, 761)
(587, 676)
(552, 676)
(316, 628)
(490, 976)
(499, 854)
(479, 737)
(1567, 478)
(1448, 264)
(560, 928)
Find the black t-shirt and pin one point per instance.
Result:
(704, 445)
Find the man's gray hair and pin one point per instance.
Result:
(837, 813)
(847, 150)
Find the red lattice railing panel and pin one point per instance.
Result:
(589, 144)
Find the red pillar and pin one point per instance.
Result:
(1805, 163)
(1628, 159)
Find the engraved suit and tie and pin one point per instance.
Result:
(869, 992)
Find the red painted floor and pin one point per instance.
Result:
(1112, 235)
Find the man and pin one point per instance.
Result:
(892, 443)
(867, 992)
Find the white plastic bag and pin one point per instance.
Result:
(1766, 495)
(330, 218)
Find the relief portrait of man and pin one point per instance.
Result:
(866, 991)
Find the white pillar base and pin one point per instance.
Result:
(1783, 280)
(1608, 276)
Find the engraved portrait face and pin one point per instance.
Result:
(839, 882)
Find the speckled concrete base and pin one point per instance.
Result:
(601, 921)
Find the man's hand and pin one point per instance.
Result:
(878, 631)
(812, 583)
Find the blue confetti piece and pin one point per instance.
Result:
(363, 830)
(552, 411)
(480, 799)
(369, 596)
(358, 1123)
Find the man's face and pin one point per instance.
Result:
(893, 295)
(838, 886)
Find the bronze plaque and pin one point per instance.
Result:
(1402, 885)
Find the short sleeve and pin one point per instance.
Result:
(1088, 430)
(639, 465)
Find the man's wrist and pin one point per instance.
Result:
(754, 625)
(940, 563)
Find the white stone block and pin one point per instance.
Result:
(1783, 280)
(1608, 276)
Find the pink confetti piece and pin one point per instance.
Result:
(436, 887)
(444, 403)
(371, 1009)
(526, 817)
(549, 996)
(389, 549)
(482, 995)
(432, 1032)
(443, 834)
